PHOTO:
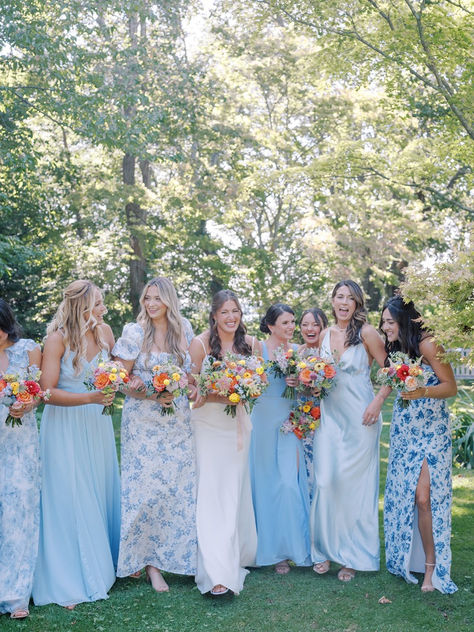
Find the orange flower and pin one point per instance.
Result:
(158, 381)
(304, 376)
(329, 371)
(315, 412)
(25, 397)
(101, 381)
(2, 384)
(298, 432)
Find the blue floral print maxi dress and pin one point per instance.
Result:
(420, 431)
(158, 516)
(19, 496)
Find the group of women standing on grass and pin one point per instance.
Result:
(201, 493)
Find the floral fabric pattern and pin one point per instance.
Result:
(158, 523)
(420, 431)
(19, 496)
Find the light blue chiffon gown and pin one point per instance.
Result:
(279, 481)
(19, 496)
(344, 510)
(80, 498)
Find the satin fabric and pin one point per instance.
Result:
(227, 538)
(80, 499)
(344, 511)
(279, 481)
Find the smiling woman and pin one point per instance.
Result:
(225, 521)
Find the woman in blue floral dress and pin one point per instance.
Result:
(158, 525)
(417, 508)
(19, 477)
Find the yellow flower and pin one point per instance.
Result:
(166, 382)
(241, 362)
(319, 366)
(122, 375)
(114, 370)
(312, 425)
(302, 365)
(247, 375)
(414, 370)
(15, 387)
(292, 362)
(232, 365)
(101, 364)
(112, 377)
(176, 377)
(289, 352)
(306, 408)
(259, 370)
(234, 398)
(156, 368)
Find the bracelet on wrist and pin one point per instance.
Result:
(426, 392)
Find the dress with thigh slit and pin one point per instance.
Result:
(418, 432)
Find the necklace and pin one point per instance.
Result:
(342, 330)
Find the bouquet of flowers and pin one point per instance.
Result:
(303, 419)
(108, 377)
(403, 374)
(286, 364)
(17, 390)
(316, 372)
(171, 378)
(240, 378)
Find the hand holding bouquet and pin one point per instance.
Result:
(242, 379)
(18, 391)
(285, 364)
(108, 377)
(403, 374)
(303, 419)
(168, 378)
(316, 373)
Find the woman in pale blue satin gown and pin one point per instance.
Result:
(19, 477)
(277, 467)
(80, 498)
(344, 511)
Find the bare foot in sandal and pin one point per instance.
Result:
(282, 568)
(20, 614)
(346, 574)
(321, 567)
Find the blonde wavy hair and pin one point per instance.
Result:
(175, 330)
(78, 299)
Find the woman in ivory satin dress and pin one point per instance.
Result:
(226, 533)
(344, 511)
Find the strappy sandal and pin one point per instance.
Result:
(429, 587)
(223, 590)
(282, 568)
(321, 567)
(20, 614)
(346, 574)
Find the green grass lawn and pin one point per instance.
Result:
(295, 602)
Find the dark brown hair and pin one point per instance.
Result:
(359, 317)
(240, 345)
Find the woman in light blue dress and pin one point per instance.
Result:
(19, 477)
(80, 497)
(277, 467)
(417, 507)
(312, 322)
(158, 525)
(344, 511)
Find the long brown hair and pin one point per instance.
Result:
(359, 317)
(78, 299)
(240, 345)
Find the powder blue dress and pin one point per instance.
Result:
(420, 431)
(80, 498)
(279, 480)
(19, 496)
(158, 526)
(344, 511)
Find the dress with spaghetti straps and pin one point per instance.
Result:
(226, 533)
(279, 480)
(80, 497)
(344, 510)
